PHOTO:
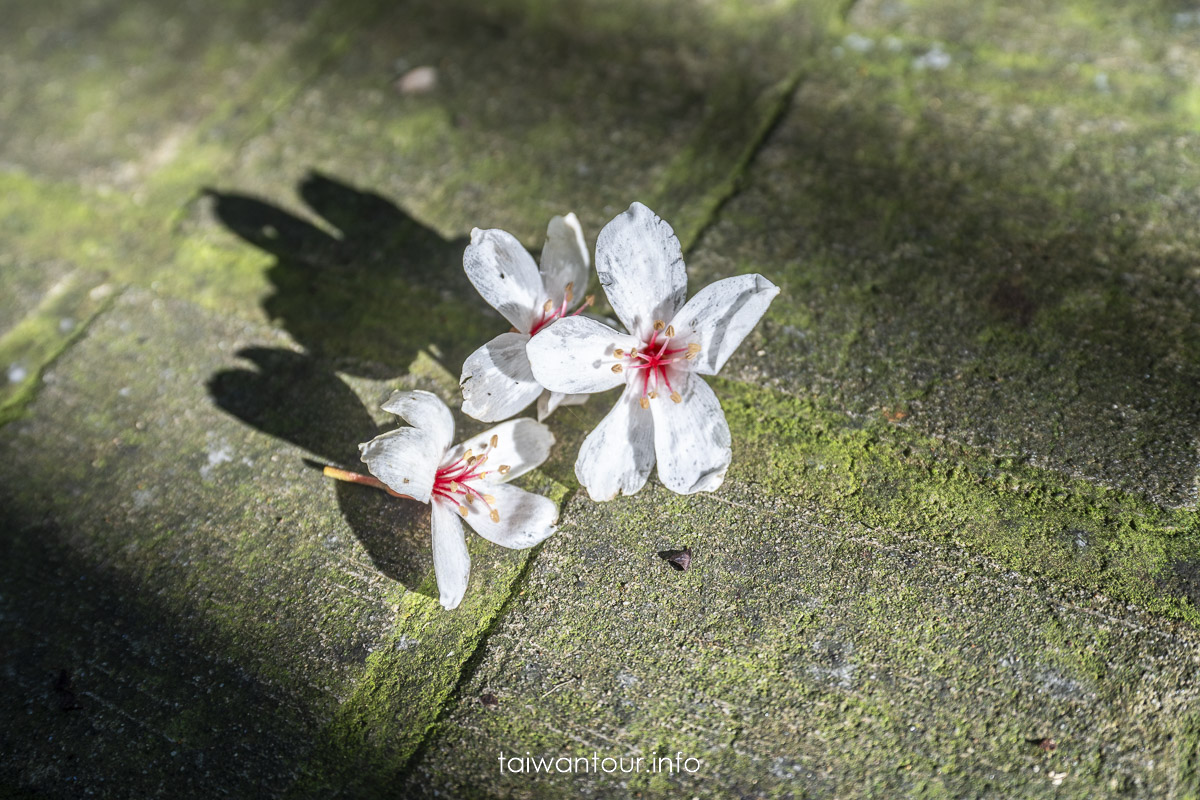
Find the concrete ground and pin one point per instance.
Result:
(958, 550)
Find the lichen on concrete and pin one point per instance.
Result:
(956, 553)
(976, 251)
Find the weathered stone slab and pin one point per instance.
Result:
(803, 656)
(990, 238)
(983, 220)
(108, 93)
(540, 108)
(63, 303)
(181, 585)
(26, 282)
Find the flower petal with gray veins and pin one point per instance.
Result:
(618, 455)
(406, 459)
(451, 561)
(641, 269)
(505, 275)
(497, 381)
(691, 438)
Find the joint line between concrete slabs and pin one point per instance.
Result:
(469, 664)
(17, 405)
(786, 89)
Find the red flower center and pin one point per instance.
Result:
(654, 359)
(453, 482)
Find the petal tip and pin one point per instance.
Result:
(765, 285)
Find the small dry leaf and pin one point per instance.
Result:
(680, 560)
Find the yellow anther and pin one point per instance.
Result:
(659, 324)
(670, 331)
(654, 395)
(495, 515)
(693, 350)
(495, 439)
(504, 468)
(462, 510)
(549, 304)
(470, 499)
(467, 455)
(633, 353)
(589, 300)
(489, 499)
(644, 402)
(617, 368)
(675, 396)
(569, 293)
(454, 487)
(619, 353)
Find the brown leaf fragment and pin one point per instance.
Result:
(680, 560)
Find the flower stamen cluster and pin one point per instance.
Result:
(551, 312)
(668, 344)
(654, 358)
(452, 482)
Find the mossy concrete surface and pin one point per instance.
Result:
(957, 553)
(983, 226)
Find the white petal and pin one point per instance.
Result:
(564, 258)
(426, 411)
(406, 459)
(575, 355)
(521, 445)
(549, 401)
(451, 562)
(691, 438)
(505, 275)
(641, 269)
(720, 315)
(496, 380)
(617, 456)
(524, 518)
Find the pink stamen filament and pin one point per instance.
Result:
(457, 473)
(460, 472)
(655, 362)
(558, 313)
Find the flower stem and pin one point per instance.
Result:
(365, 480)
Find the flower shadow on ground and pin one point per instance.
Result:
(364, 302)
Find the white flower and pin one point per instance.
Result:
(496, 380)
(667, 412)
(467, 480)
